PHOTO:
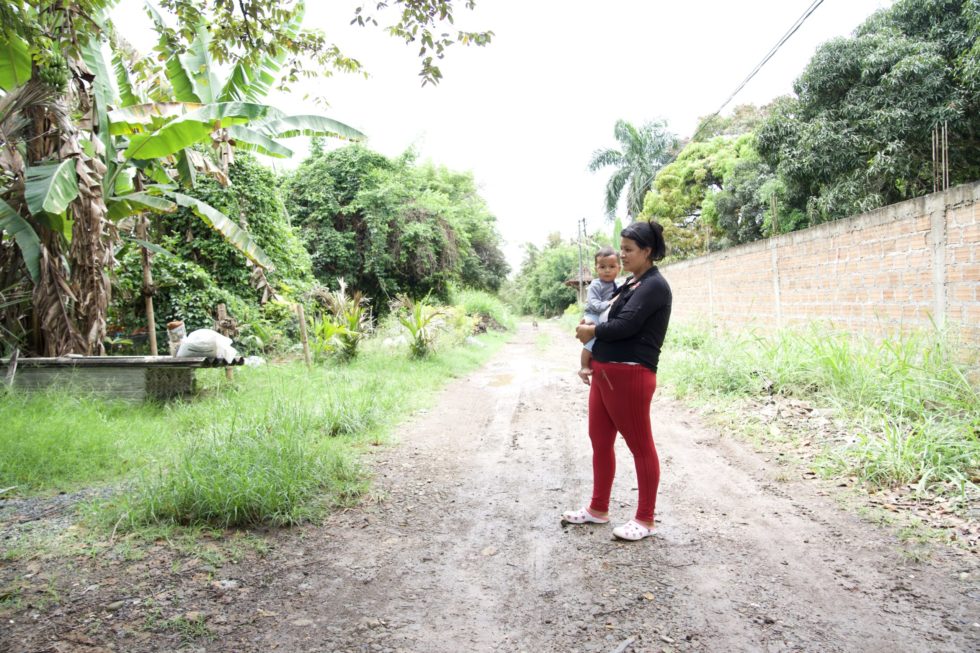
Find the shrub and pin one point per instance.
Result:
(421, 320)
(489, 310)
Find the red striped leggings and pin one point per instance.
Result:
(619, 401)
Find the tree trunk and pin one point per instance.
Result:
(91, 253)
(52, 296)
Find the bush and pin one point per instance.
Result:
(391, 227)
(489, 310)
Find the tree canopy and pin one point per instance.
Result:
(392, 226)
(858, 135)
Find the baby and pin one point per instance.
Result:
(597, 301)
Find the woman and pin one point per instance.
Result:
(624, 365)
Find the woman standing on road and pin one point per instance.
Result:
(625, 357)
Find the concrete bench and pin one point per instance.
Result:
(133, 378)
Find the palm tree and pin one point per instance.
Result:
(643, 152)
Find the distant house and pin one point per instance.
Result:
(573, 282)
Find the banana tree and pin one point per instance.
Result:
(121, 153)
(204, 109)
(197, 81)
(61, 201)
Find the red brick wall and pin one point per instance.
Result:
(898, 268)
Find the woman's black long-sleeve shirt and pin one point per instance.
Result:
(637, 324)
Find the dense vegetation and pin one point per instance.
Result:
(386, 227)
(390, 227)
(904, 411)
(98, 137)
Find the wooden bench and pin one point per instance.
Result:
(134, 378)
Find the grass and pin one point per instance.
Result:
(277, 445)
(915, 414)
(488, 308)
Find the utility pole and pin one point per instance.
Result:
(580, 224)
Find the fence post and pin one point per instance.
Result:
(226, 326)
(301, 314)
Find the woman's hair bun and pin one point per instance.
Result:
(647, 234)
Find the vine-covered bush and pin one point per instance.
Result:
(202, 270)
(540, 287)
(391, 227)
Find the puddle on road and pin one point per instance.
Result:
(501, 380)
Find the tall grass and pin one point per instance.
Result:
(275, 469)
(489, 309)
(274, 445)
(909, 399)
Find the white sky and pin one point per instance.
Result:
(525, 113)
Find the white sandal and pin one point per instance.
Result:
(582, 516)
(632, 531)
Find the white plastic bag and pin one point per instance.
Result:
(209, 344)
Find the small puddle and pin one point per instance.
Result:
(501, 380)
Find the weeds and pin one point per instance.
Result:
(348, 322)
(276, 445)
(489, 311)
(915, 414)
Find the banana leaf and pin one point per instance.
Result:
(193, 127)
(309, 125)
(156, 249)
(252, 82)
(252, 140)
(180, 77)
(105, 96)
(133, 203)
(15, 61)
(25, 237)
(128, 95)
(51, 187)
(149, 116)
(198, 62)
(235, 235)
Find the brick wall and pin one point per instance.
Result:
(898, 268)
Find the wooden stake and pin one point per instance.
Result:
(302, 333)
(11, 368)
(144, 231)
(227, 327)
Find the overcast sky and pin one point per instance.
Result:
(525, 113)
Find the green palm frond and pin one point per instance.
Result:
(614, 189)
(644, 151)
(605, 158)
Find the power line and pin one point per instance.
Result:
(790, 32)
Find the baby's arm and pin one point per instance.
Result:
(594, 303)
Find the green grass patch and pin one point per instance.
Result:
(915, 414)
(276, 445)
(489, 309)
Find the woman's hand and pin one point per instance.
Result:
(585, 331)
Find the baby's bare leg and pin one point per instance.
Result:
(585, 370)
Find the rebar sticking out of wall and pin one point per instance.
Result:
(940, 157)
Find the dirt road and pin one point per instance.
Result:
(460, 547)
